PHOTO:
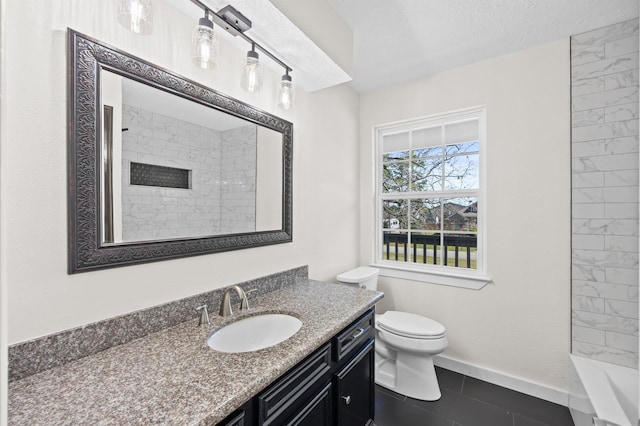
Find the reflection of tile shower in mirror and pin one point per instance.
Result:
(220, 153)
(221, 198)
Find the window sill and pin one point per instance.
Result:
(474, 282)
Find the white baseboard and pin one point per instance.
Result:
(505, 380)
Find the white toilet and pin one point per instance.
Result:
(405, 345)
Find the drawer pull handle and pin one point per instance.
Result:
(358, 334)
(347, 399)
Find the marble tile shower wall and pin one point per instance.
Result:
(239, 166)
(155, 212)
(604, 146)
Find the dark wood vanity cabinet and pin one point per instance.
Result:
(295, 392)
(238, 417)
(332, 386)
(353, 372)
(316, 411)
(355, 389)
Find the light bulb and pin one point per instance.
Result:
(205, 45)
(286, 93)
(251, 80)
(136, 15)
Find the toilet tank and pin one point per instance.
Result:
(363, 277)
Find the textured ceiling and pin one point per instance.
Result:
(400, 40)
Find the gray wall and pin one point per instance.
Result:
(604, 145)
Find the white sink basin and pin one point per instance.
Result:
(254, 333)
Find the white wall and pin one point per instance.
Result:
(320, 22)
(518, 325)
(4, 300)
(43, 299)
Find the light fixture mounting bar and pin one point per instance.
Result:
(265, 51)
(235, 18)
(235, 23)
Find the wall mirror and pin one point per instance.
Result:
(161, 167)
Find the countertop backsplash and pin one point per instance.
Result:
(37, 355)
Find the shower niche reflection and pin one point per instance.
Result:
(176, 169)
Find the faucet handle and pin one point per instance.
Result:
(244, 305)
(204, 315)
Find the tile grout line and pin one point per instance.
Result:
(507, 409)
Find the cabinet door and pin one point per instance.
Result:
(283, 398)
(355, 389)
(316, 412)
(235, 419)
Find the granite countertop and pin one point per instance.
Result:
(173, 377)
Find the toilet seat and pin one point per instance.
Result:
(410, 325)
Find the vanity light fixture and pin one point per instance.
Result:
(236, 24)
(136, 15)
(204, 42)
(252, 71)
(286, 92)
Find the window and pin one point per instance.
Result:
(430, 197)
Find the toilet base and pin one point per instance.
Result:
(410, 375)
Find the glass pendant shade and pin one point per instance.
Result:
(136, 15)
(205, 45)
(251, 80)
(286, 93)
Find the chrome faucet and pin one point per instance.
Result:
(204, 315)
(225, 305)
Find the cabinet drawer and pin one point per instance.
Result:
(278, 399)
(354, 336)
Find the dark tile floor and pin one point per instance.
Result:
(468, 402)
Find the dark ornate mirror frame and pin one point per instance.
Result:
(86, 57)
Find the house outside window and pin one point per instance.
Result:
(430, 198)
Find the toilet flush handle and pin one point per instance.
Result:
(347, 399)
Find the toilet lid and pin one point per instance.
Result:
(410, 325)
(358, 275)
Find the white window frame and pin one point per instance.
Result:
(437, 274)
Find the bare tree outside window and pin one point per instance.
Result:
(429, 195)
